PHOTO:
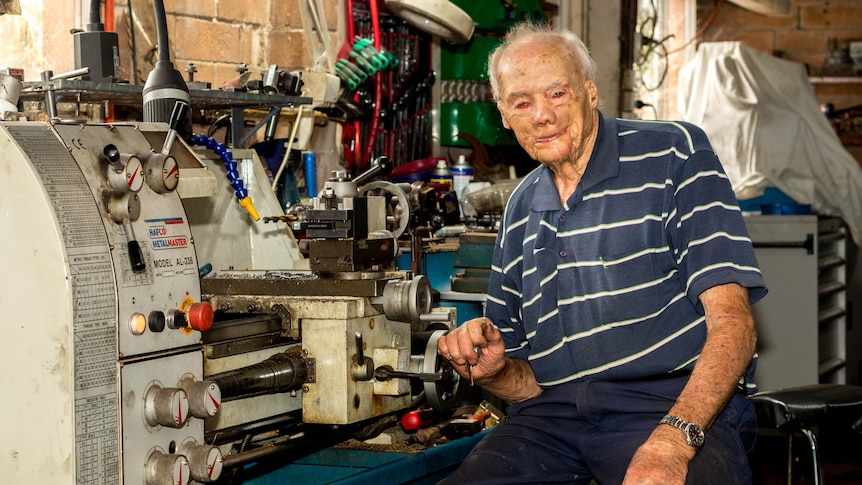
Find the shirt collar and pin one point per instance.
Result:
(604, 164)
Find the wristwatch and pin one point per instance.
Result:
(693, 434)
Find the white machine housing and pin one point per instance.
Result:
(74, 344)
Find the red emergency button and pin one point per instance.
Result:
(201, 316)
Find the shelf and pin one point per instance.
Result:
(132, 95)
(830, 366)
(835, 79)
(850, 139)
(829, 288)
(801, 326)
(828, 314)
(829, 237)
(828, 262)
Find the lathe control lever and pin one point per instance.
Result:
(363, 367)
(381, 168)
(136, 254)
(384, 373)
(178, 115)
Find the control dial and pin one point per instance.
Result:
(130, 178)
(166, 469)
(204, 397)
(166, 406)
(125, 173)
(205, 461)
(123, 207)
(162, 173)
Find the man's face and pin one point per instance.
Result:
(546, 102)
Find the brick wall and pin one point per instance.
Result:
(800, 37)
(217, 35)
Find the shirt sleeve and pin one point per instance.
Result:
(706, 229)
(503, 305)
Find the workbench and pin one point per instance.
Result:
(363, 467)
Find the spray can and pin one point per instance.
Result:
(441, 178)
(462, 175)
(309, 166)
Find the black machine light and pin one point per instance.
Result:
(96, 49)
(165, 85)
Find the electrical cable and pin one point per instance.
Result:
(133, 45)
(378, 88)
(652, 47)
(287, 150)
(109, 27)
(215, 125)
(701, 30)
(640, 104)
(657, 47)
(357, 136)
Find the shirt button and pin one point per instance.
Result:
(563, 253)
(562, 218)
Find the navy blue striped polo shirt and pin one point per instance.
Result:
(607, 285)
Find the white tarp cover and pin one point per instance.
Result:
(767, 129)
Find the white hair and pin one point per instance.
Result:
(569, 45)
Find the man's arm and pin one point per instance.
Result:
(726, 354)
(514, 383)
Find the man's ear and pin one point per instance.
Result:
(592, 93)
(503, 117)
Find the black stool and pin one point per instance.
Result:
(798, 409)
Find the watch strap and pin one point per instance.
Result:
(694, 435)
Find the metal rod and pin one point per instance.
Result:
(66, 75)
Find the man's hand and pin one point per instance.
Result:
(663, 459)
(478, 344)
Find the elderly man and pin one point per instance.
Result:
(618, 323)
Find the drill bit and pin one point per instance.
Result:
(470, 367)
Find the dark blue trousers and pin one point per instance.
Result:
(578, 432)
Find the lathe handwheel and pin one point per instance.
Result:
(442, 395)
(398, 214)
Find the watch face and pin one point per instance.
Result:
(695, 435)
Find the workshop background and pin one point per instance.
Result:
(424, 112)
(258, 34)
